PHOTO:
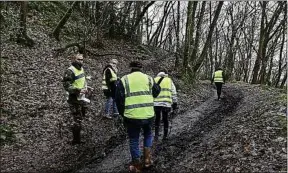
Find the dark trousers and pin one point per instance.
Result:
(219, 89)
(134, 127)
(164, 111)
(78, 111)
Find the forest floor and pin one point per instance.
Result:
(241, 132)
(245, 131)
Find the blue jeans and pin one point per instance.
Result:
(134, 128)
(110, 107)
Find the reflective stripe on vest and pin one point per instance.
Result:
(138, 96)
(113, 78)
(218, 77)
(166, 90)
(79, 80)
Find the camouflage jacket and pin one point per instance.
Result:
(67, 81)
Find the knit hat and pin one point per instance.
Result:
(135, 65)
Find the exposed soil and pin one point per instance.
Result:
(212, 138)
(33, 103)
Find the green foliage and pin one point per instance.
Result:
(6, 134)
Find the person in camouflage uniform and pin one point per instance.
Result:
(74, 82)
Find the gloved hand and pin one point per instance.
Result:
(77, 91)
(174, 106)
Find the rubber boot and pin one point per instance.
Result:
(147, 157)
(165, 134)
(136, 166)
(76, 135)
(156, 133)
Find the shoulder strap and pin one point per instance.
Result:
(160, 80)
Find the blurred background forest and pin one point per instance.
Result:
(247, 39)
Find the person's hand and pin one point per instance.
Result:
(77, 91)
(174, 106)
(84, 91)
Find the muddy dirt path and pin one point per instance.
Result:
(191, 134)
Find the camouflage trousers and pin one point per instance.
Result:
(78, 111)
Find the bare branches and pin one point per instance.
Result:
(139, 18)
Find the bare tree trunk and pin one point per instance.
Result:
(63, 21)
(280, 59)
(112, 18)
(163, 27)
(191, 10)
(155, 35)
(177, 36)
(284, 81)
(265, 37)
(147, 28)
(2, 19)
(268, 76)
(198, 33)
(139, 18)
(211, 45)
(207, 43)
(216, 48)
(22, 36)
(260, 49)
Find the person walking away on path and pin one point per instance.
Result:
(218, 79)
(74, 82)
(163, 103)
(134, 99)
(109, 86)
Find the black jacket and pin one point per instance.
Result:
(120, 94)
(111, 85)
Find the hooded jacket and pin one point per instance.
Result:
(173, 91)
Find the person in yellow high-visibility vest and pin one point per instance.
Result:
(74, 82)
(134, 99)
(109, 86)
(219, 80)
(163, 103)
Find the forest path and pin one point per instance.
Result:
(190, 131)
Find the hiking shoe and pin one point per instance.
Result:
(107, 116)
(116, 115)
(147, 157)
(136, 166)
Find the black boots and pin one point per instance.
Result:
(136, 166)
(76, 135)
(156, 133)
(165, 134)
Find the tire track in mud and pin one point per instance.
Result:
(188, 132)
(171, 154)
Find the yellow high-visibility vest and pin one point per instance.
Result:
(113, 78)
(138, 96)
(218, 76)
(79, 80)
(166, 90)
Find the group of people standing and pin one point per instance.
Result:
(137, 97)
